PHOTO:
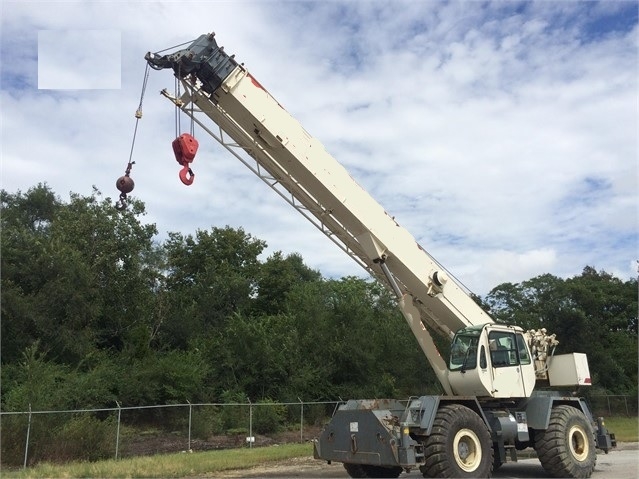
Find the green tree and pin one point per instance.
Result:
(277, 276)
(74, 275)
(534, 303)
(25, 224)
(109, 251)
(208, 278)
(605, 313)
(78, 284)
(355, 342)
(258, 355)
(163, 377)
(594, 313)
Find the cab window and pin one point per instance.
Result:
(524, 355)
(463, 353)
(503, 349)
(482, 358)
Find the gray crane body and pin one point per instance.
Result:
(502, 385)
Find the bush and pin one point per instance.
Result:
(318, 414)
(82, 438)
(53, 439)
(268, 417)
(205, 422)
(13, 433)
(236, 416)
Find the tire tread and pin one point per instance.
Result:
(438, 463)
(553, 450)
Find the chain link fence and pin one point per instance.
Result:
(613, 405)
(29, 437)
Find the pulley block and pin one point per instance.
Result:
(184, 148)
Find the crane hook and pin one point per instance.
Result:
(125, 185)
(186, 175)
(184, 148)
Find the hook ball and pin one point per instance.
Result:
(125, 184)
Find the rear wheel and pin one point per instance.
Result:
(459, 445)
(567, 447)
(367, 470)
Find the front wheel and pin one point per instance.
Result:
(459, 445)
(567, 447)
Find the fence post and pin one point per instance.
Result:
(608, 401)
(26, 447)
(117, 433)
(301, 420)
(190, 416)
(250, 440)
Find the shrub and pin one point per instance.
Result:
(268, 417)
(236, 416)
(13, 433)
(54, 439)
(82, 438)
(318, 414)
(205, 422)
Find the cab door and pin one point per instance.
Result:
(510, 364)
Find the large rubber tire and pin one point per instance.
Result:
(366, 470)
(459, 445)
(567, 447)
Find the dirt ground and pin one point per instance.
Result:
(295, 467)
(611, 465)
(147, 445)
(622, 463)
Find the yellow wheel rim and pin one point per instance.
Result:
(578, 441)
(467, 450)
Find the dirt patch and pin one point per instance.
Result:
(295, 467)
(163, 443)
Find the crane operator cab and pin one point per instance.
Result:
(491, 360)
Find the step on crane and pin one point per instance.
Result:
(504, 388)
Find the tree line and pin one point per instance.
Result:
(96, 310)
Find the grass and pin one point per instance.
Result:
(625, 429)
(168, 465)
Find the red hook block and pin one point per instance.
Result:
(184, 148)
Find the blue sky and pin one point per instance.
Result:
(503, 135)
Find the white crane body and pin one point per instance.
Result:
(489, 362)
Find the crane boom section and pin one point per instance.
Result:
(239, 104)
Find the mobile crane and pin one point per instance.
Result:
(497, 397)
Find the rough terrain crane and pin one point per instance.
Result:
(502, 385)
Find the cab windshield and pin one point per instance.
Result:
(463, 353)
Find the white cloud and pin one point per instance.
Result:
(476, 125)
(508, 266)
(79, 59)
